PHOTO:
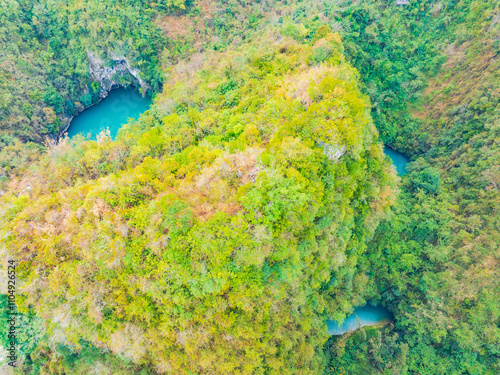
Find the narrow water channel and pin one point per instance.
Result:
(367, 315)
(111, 113)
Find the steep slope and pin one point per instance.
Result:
(45, 50)
(435, 263)
(218, 232)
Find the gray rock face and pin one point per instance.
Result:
(333, 151)
(107, 75)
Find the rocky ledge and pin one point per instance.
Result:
(107, 74)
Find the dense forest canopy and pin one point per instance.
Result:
(252, 202)
(219, 236)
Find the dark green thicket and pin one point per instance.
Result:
(44, 72)
(431, 69)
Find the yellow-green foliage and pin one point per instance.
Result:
(214, 235)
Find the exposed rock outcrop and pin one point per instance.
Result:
(108, 74)
(333, 151)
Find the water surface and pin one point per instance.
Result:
(398, 159)
(111, 113)
(367, 315)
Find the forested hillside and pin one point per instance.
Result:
(432, 72)
(252, 202)
(44, 65)
(218, 232)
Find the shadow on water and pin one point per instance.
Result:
(111, 113)
(367, 315)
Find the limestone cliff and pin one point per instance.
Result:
(108, 74)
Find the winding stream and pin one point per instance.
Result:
(367, 315)
(398, 159)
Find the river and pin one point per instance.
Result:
(369, 315)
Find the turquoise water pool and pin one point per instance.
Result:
(398, 159)
(111, 113)
(367, 315)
